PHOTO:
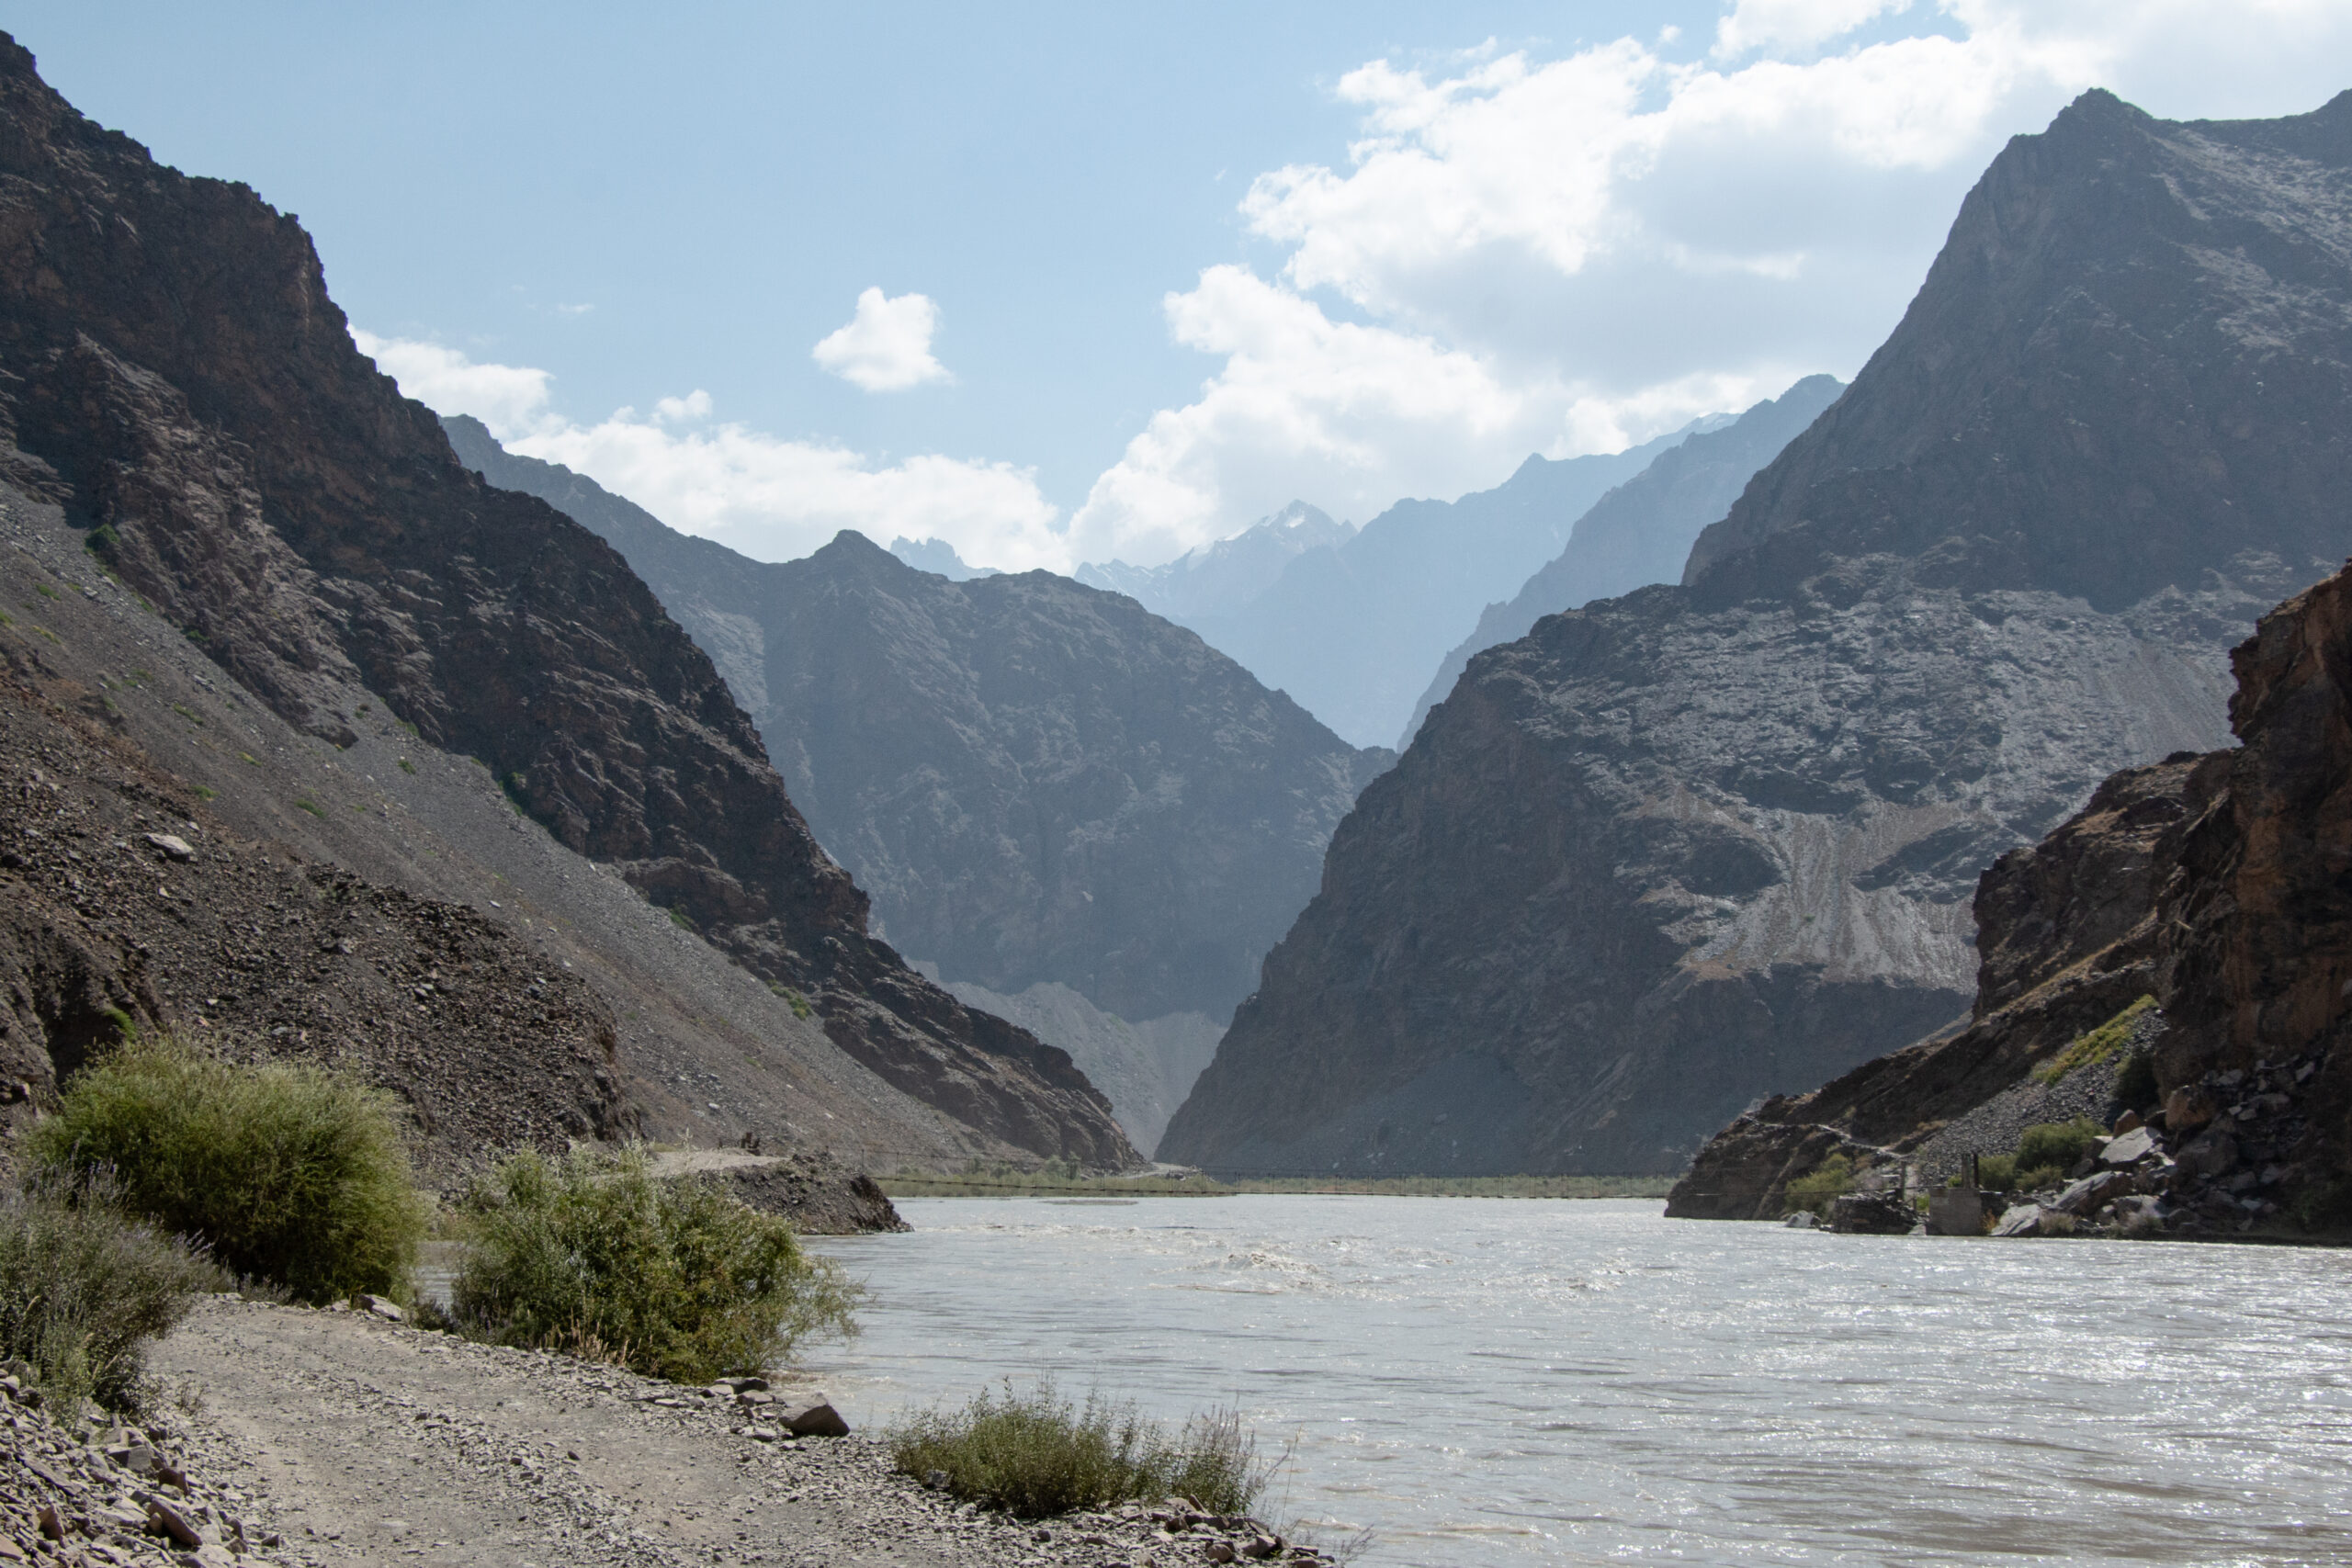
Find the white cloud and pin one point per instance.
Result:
(504, 397)
(885, 347)
(1565, 255)
(772, 499)
(1794, 25)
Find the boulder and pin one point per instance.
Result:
(2127, 1147)
(1873, 1213)
(2210, 1154)
(2139, 1213)
(389, 1311)
(1957, 1211)
(1802, 1220)
(2034, 1219)
(173, 846)
(2128, 1122)
(2189, 1108)
(2087, 1195)
(809, 1416)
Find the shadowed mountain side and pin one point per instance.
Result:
(179, 381)
(1680, 849)
(1640, 532)
(1041, 783)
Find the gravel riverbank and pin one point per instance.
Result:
(331, 1438)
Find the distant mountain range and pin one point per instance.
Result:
(1350, 622)
(1223, 579)
(1704, 842)
(1069, 810)
(1642, 532)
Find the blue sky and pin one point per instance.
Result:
(1175, 264)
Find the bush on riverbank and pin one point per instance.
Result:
(1034, 1454)
(290, 1173)
(595, 1255)
(1829, 1181)
(85, 1288)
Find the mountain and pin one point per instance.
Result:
(1352, 627)
(1220, 580)
(2211, 885)
(935, 554)
(181, 389)
(1642, 532)
(1084, 817)
(1706, 842)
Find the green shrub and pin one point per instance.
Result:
(291, 1174)
(2055, 1145)
(2135, 1086)
(596, 1256)
(1830, 1180)
(83, 1289)
(1036, 1454)
(1997, 1173)
(2095, 1045)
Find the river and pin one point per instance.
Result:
(1509, 1382)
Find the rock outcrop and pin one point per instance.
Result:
(2214, 887)
(177, 379)
(1676, 852)
(1642, 532)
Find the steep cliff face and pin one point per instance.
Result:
(1640, 532)
(179, 380)
(1678, 851)
(2216, 885)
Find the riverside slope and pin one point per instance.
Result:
(179, 384)
(1674, 852)
(1076, 813)
(2215, 885)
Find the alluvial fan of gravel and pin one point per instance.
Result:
(1994, 1127)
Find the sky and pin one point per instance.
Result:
(1068, 282)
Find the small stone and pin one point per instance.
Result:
(1218, 1551)
(936, 1480)
(1261, 1547)
(389, 1311)
(173, 845)
(164, 1519)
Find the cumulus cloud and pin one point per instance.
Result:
(885, 347)
(772, 499)
(1565, 255)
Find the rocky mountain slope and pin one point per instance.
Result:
(1083, 816)
(1642, 532)
(180, 386)
(2214, 884)
(1351, 629)
(1677, 850)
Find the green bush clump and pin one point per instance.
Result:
(596, 1256)
(2055, 1145)
(290, 1173)
(83, 1289)
(1036, 1454)
(1829, 1180)
(2094, 1046)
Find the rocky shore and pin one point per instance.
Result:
(323, 1438)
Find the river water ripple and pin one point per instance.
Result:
(1523, 1382)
